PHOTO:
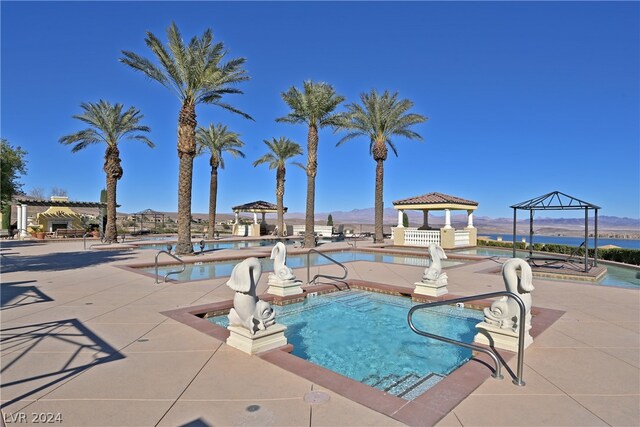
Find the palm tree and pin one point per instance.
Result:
(314, 106)
(379, 118)
(216, 140)
(282, 149)
(108, 124)
(196, 74)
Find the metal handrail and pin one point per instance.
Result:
(324, 275)
(521, 326)
(353, 243)
(171, 272)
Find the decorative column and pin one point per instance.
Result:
(237, 214)
(425, 219)
(398, 233)
(263, 218)
(447, 219)
(469, 219)
(19, 219)
(24, 221)
(255, 217)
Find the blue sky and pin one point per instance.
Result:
(522, 98)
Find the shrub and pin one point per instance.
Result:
(623, 255)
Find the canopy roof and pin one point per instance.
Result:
(555, 200)
(57, 203)
(148, 212)
(435, 201)
(259, 206)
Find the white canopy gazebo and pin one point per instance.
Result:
(447, 236)
(257, 207)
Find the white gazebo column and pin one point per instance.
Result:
(447, 219)
(255, 217)
(19, 219)
(24, 221)
(237, 217)
(469, 219)
(425, 219)
(263, 218)
(400, 222)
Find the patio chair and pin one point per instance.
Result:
(557, 261)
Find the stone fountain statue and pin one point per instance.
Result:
(434, 273)
(502, 320)
(282, 281)
(505, 313)
(434, 280)
(248, 311)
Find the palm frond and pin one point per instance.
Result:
(108, 124)
(379, 117)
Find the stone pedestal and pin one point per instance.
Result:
(432, 289)
(505, 339)
(283, 288)
(270, 338)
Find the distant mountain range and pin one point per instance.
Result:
(366, 216)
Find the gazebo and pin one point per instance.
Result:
(257, 228)
(57, 216)
(142, 216)
(447, 237)
(557, 200)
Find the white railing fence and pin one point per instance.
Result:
(461, 238)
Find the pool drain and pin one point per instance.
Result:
(316, 397)
(252, 408)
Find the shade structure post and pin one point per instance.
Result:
(595, 239)
(530, 232)
(586, 240)
(514, 232)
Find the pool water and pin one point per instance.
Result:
(209, 270)
(237, 244)
(365, 336)
(615, 276)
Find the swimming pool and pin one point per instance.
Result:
(210, 270)
(349, 332)
(615, 275)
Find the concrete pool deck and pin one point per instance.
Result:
(85, 339)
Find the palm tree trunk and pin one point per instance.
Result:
(312, 170)
(186, 152)
(379, 204)
(280, 174)
(113, 170)
(111, 232)
(213, 194)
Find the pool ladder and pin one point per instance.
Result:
(521, 325)
(168, 252)
(326, 276)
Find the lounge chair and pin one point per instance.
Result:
(557, 261)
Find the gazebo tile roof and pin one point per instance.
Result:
(434, 198)
(257, 205)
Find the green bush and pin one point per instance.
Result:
(626, 256)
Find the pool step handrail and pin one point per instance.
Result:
(326, 276)
(521, 326)
(184, 266)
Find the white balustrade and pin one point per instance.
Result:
(461, 238)
(415, 237)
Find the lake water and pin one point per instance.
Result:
(570, 241)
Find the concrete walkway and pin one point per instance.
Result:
(84, 339)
